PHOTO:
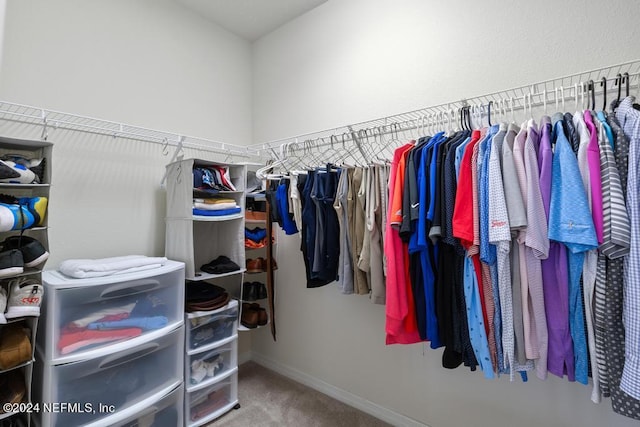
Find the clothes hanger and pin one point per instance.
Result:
(590, 87)
(563, 98)
(575, 95)
(603, 84)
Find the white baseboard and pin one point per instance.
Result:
(343, 396)
(244, 357)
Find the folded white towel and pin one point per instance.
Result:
(216, 207)
(83, 268)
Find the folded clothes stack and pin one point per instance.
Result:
(203, 296)
(255, 238)
(212, 179)
(215, 206)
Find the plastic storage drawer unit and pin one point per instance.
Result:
(211, 402)
(166, 412)
(205, 329)
(103, 385)
(205, 367)
(84, 316)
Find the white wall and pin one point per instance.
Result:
(353, 60)
(149, 63)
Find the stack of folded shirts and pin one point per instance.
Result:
(203, 296)
(212, 178)
(215, 206)
(256, 238)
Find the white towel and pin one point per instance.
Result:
(216, 207)
(83, 268)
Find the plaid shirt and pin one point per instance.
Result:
(630, 122)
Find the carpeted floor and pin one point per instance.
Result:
(270, 399)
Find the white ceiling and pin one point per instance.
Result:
(251, 19)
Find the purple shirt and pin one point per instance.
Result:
(593, 159)
(555, 275)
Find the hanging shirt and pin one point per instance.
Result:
(345, 263)
(376, 273)
(593, 159)
(536, 247)
(488, 251)
(621, 402)
(629, 119)
(517, 222)
(463, 229)
(400, 319)
(530, 343)
(450, 304)
(555, 276)
(499, 234)
(570, 222)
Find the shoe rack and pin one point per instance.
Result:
(16, 373)
(211, 341)
(253, 296)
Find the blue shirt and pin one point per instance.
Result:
(570, 222)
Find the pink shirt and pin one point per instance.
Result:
(397, 308)
(593, 159)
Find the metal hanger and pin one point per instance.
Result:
(603, 84)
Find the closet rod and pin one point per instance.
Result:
(408, 119)
(52, 120)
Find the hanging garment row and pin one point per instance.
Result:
(513, 247)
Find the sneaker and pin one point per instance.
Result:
(15, 173)
(3, 304)
(34, 165)
(14, 215)
(25, 296)
(11, 263)
(37, 207)
(33, 253)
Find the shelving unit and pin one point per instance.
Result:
(196, 240)
(253, 253)
(32, 150)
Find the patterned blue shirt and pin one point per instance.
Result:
(629, 119)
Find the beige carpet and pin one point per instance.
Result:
(270, 399)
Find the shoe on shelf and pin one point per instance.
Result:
(263, 317)
(33, 253)
(274, 265)
(220, 265)
(15, 346)
(12, 388)
(11, 263)
(25, 296)
(15, 173)
(249, 317)
(255, 265)
(36, 166)
(262, 290)
(3, 304)
(249, 291)
(38, 208)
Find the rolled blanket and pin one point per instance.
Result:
(83, 268)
